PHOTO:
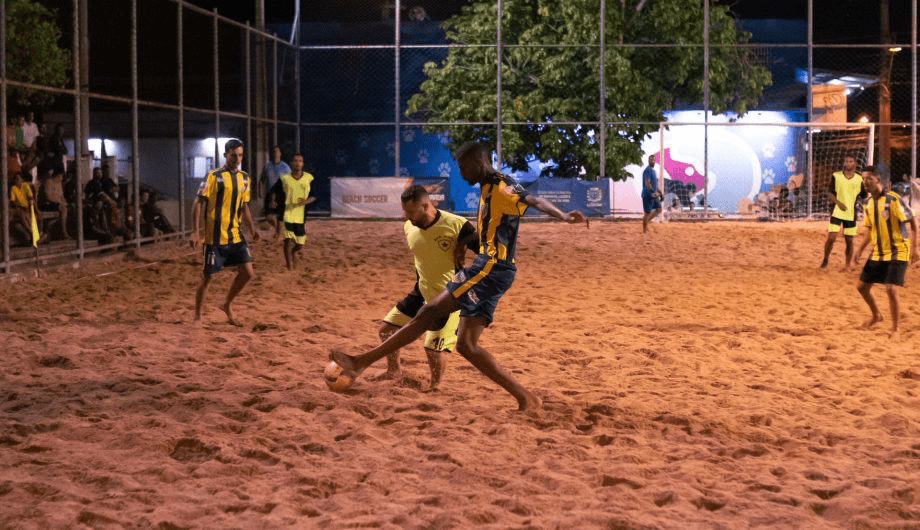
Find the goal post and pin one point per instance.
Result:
(763, 170)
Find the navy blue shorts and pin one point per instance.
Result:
(216, 257)
(650, 203)
(479, 288)
(887, 272)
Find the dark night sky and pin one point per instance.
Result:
(850, 21)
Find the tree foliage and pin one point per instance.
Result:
(550, 73)
(32, 51)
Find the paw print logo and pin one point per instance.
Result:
(373, 166)
(363, 141)
(768, 176)
(442, 136)
(472, 200)
(403, 172)
(791, 163)
(768, 150)
(391, 149)
(422, 156)
(444, 169)
(408, 135)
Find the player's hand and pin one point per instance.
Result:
(194, 238)
(914, 257)
(842, 207)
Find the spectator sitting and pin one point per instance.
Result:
(51, 198)
(152, 216)
(22, 201)
(94, 224)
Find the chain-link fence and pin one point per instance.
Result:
(154, 88)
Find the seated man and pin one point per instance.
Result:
(51, 198)
(22, 202)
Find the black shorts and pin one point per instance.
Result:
(887, 272)
(279, 205)
(842, 222)
(413, 302)
(216, 257)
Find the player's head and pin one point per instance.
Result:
(233, 152)
(417, 207)
(651, 160)
(871, 181)
(297, 162)
(849, 163)
(276, 154)
(475, 163)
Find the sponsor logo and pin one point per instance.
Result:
(472, 296)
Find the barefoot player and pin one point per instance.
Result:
(438, 241)
(477, 289)
(887, 217)
(223, 199)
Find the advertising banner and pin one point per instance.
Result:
(589, 197)
(362, 197)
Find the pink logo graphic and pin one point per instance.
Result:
(682, 171)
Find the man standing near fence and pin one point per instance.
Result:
(223, 199)
(651, 197)
(845, 188)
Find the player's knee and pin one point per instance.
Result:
(892, 290)
(431, 317)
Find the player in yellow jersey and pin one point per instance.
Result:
(845, 188)
(438, 241)
(887, 217)
(223, 200)
(476, 290)
(296, 186)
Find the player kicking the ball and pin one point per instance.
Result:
(476, 290)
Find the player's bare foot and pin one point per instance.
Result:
(869, 324)
(894, 335)
(346, 362)
(389, 375)
(436, 364)
(530, 402)
(229, 312)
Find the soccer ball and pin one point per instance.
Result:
(335, 379)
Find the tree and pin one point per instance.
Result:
(550, 74)
(32, 52)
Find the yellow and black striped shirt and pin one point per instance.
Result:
(500, 209)
(226, 193)
(887, 219)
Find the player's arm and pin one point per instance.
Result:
(247, 218)
(195, 236)
(832, 195)
(466, 239)
(550, 209)
(914, 254)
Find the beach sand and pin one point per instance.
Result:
(705, 376)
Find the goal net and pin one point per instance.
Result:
(761, 170)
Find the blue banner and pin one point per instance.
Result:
(589, 197)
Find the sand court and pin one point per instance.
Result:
(706, 376)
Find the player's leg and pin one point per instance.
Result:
(289, 253)
(437, 344)
(441, 306)
(849, 233)
(384, 331)
(199, 294)
(237, 256)
(832, 231)
(865, 289)
(468, 346)
(894, 305)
